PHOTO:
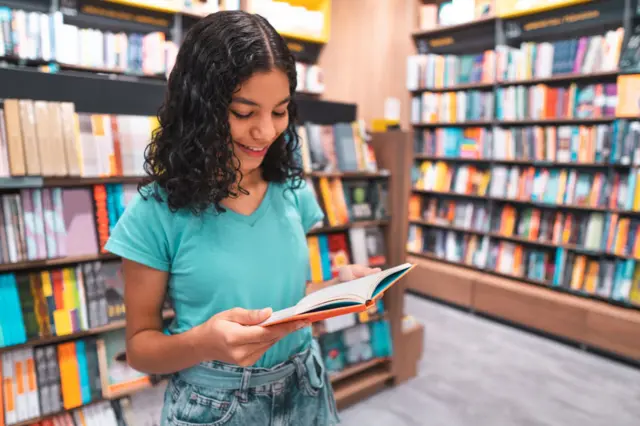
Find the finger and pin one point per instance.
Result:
(245, 316)
(259, 334)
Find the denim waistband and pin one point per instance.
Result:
(216, 375)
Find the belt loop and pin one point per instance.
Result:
(243, 393)
(301, 370)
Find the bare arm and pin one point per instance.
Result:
(148, 348)
(230, 336)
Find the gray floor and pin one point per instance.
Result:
(476, 372)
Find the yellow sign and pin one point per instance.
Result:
(514, 8)
(440, 42)
(566, 19)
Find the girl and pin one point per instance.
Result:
(219, 226)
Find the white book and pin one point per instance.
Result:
(340, 299)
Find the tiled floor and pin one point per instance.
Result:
(476, 372)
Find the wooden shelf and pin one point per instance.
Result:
(515, 162)
(168, 314)
(61, 261)
(553, 121)
(478, 123)
(350, 175)
(561, 78)
(465, 86)
(360, 385)
(355, 369)
(588, 322)
(538, 204)
(340, 228)
(539, 283)
(456, 27)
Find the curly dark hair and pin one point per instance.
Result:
(190, 157)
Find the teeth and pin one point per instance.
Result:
(252, 148)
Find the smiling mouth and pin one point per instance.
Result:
(253, 150)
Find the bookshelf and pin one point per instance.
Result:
(503, 219)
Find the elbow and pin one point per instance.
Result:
(136, 360)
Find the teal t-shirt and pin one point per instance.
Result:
(218, 261)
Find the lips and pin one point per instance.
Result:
(252, 150)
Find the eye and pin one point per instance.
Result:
(280, 114)
(241, 116)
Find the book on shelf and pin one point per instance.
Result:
(45, 37)
(584, 55)
(344, 298)
(339, 147)
(452, 107)
(310, 78)
(541, 102)
(45, 138)
(433, 71)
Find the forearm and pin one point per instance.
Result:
(153, 352)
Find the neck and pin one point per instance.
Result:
(252, 179)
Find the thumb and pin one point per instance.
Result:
(245, 316)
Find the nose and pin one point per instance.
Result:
(264, 130)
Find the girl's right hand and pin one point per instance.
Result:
(234, 337)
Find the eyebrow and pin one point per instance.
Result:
(246, 101)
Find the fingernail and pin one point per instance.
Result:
(265, 311)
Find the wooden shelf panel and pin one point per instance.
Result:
(514, 162)
(340, 228)
(595, 323)
(537, 204)
(168, 314)
(350, 175)
(476, 123)
(61, 261)
(452, 28)
(358, 368)
(357, 386)
(570, 77)
(465, 86)
(520, 122)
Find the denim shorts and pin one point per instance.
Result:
(295, 392)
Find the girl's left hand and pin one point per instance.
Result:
(351, 272)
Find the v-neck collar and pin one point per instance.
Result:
(253, 218)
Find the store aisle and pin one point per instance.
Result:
(476, 372)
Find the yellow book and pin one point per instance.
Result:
(315, 261)
(327, 199)
(636, 193)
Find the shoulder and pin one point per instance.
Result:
(301, 195)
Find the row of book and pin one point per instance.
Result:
(49, 379)
(562, 144)
(600, 233)
(359, 245)
(60, 301)
(584, 55)
(356, 344)
(338, 147)
(615, 279)
(433, 71)
(47, 223)
(41, 138)
(544, 102)
(617, 143)
(452, 107)
(45, 37)
(351, 200)
(537, 184)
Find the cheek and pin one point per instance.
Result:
(239, 128)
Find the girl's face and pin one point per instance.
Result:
(257, 116)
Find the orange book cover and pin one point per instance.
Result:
(327, 199)
(2, 401)
(349, 297)
(69, 376)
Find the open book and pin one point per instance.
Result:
(344, 298)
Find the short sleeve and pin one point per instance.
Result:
(310, 211)
(140, 234)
